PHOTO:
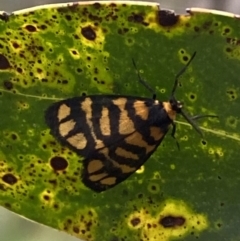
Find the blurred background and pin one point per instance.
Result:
(178, 5)
(16, 228)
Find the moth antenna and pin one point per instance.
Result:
(143, 82)
(181, 72)
(191, 122)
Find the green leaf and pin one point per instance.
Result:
(60, 51)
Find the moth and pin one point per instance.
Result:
(114, 134)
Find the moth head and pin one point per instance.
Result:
(176, 105)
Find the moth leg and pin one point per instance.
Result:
(196, 117)
(173, 134)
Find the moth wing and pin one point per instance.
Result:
(111, 165)
(114, 134)
(86, 124)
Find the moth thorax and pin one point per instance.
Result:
(170, 111)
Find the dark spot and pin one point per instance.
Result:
(7, 205)
(4, 64)
(40, 48)
(9, 178)
(88, 33)
(8, 85)
(56, 206)
(58, 163)
(95, 70)
(113, 5)
(64, 81)
(137, 18)
(54, 182)
(167, 18)
(43, 27)
(219, 178)
(31, 28)
(46, 197)
(228, 40)
(74, 52)
(140, 195)
(14, 136)
(95, 18)
(228, 50)
(97, 5)
(135, 221)
(68, 17)
(196, 29)
(207, 25)
(39, 70)
(79, 70)
(219, 225)
(204, 142)
(185, 58)
(19, 70)
(84, 94)
(76, 230)
(15, 45)
(226, 30)
(44, 80)
(4, 16)
(123, 30)
(88, 58)
(130, 41)
(171, 221)
(153, 187)
(88, 225)
(192, 96)
(69, 221)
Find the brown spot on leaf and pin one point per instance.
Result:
(135, 221)
(123, 30)
(185, 58)
(97, 5)
(171, 221)
(9, 178)
(76, 230)
(15, 45)
(4, 64)
(167, 18)
(14, 136)
(46, 197)
(58, 163)
(228, 50)
(68, 17)
(137, 18)
(19, 70)
(206, 25)
(88, 33)
(196, 29)
(7, 205)
(30, 28)
(4, 16)
(8, 85)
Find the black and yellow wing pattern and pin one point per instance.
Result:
(114, 134)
